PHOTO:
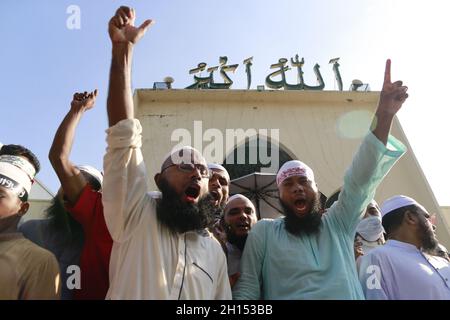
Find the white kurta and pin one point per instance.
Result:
(400, 271)
(148, 261)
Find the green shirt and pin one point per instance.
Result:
(278, 265)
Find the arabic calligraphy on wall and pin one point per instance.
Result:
(207, 82)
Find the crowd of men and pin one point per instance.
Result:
(190, 239)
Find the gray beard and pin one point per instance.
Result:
(429, 241)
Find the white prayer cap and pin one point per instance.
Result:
(230, 201)
(218, 167)
(185, 154)
(294, 168)
(97, 175)
(397, 202)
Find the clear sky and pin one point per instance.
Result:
(43, 62)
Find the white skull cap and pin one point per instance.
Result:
(218, 167)
(96, 174)
(397, 202)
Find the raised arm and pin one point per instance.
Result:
(124, 35)
(373, 160)
(391, 100)
(125, 178)
(72, 181)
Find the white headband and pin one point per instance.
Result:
(294, 168)
(20, 163)
(15, 179)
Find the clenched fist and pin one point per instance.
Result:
(121, 27)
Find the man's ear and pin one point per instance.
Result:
(410, 218)
(157, 179)
(24, 208)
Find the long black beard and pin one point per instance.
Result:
(63, 223)
(429, 241)
(309, 224)
(217, 214)
(238, 241)
(218, 211)
(180, 216)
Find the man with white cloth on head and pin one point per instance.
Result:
(161, 249)
(307, 254)
(27, 271)
(401, 269)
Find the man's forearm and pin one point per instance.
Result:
(120, 100)
(381, 125)
(69, 176)
(63, 141)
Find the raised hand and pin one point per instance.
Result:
(391, 100)
(393, 95)
(84, 101)
(121, 27)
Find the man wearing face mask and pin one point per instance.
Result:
(369, 232)
(402, 269)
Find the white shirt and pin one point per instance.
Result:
(400, 271)
(149, 261)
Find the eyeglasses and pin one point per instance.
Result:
(189, 167)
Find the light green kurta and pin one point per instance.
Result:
(278, 265)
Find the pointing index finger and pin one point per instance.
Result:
(387, 72)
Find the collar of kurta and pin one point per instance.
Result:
(401, 244)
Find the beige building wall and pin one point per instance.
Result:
(320, 128)
(39, 199)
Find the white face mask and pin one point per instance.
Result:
(370, 228)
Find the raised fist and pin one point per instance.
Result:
(121, 27)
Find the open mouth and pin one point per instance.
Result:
(301, 206)
(243, 226)
(192, 192)
(216, 197)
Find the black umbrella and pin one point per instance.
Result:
(261, 189)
